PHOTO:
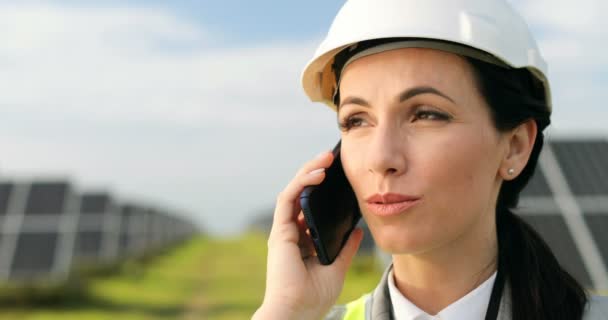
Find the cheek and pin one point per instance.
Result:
(351, 163)
(451, 166)
(458, 173)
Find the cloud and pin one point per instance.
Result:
(566, 17)
(141, 100)
(570, 36)
(28, 29)
(136, 64)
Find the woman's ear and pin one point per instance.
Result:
(519, 147)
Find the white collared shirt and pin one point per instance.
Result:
(472, 306)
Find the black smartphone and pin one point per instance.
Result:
(331, 211)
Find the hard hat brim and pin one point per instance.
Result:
(320, 83)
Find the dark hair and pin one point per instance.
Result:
(540, 287)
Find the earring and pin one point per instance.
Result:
(511, 171)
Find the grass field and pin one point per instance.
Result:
(201, 279)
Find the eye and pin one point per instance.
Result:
(432, 115)
(351, 122)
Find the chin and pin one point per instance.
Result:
(395, 240)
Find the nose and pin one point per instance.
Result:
(386, 154)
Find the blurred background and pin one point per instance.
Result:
(144, 143)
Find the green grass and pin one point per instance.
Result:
(202, 279)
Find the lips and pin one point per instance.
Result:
(390, 204)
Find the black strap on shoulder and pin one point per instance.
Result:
(495, 297)
(499, 282)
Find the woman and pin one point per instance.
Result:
(441, 106)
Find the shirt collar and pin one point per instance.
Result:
(472, 306)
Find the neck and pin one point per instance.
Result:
(434, 279)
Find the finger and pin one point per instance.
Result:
(284, 227)
(286, 202)
(305, 241)
(301, 218)
(306, 245)
(347, 253)
(301, 222)
(307, 252)
(323, 159)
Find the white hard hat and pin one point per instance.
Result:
(490, 26)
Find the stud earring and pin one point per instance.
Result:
(511, 171)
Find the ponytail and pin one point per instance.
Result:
(539, 287)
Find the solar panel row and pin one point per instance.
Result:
(48, 228)
(584, 165)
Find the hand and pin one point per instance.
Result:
(297, 285)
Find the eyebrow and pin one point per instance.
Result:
(403, 96)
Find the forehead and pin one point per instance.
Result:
(415, 65)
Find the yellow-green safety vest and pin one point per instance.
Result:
(355, 310)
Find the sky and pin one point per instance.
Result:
(197, 106)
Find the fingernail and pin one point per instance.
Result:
(316, 171)
(321, 155)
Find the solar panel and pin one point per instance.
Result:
(132, 229)
(110, 251)
(91, 227)
(94, 203)
(157, 229)
(554, 231)
(583, 164)
(5, 193)
(34, 255)
(126, 211)
(88, 246)
(45, 232)
(598, 224)
(537, 186)
(141, 229)
(47, 198)
(46, 229)
(164, 231)
(148, 229)
(594, 151)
